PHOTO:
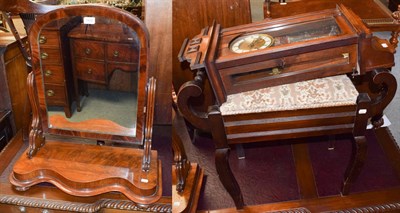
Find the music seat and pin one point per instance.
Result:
(323, 106)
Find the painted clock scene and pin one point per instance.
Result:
(199, 106)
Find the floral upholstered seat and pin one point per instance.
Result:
(316, 93)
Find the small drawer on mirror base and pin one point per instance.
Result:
(55, 94)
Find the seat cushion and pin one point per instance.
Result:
(316, 93)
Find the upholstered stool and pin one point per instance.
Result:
(324, 106)
(317, 93)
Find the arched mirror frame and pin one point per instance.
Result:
(90, 10)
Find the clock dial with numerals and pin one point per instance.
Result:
(251, 43)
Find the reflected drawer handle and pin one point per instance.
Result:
(275, 71)
(44, 56)
(42, 39)
(116, 54)
(89, 71)
(50, 93)
(88, 51)
(48, 73)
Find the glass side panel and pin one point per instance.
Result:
(306, 31)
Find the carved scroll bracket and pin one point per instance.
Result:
(386, 83)
(188, 91)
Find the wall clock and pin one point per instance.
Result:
(248, 43)
(285, 50)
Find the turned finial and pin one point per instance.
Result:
(396, 14)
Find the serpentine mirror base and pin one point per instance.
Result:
(101, 169)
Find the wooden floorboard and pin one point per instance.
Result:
(304, 171)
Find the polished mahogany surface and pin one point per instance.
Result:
(158, 19)
(45, 196)
(81, 166)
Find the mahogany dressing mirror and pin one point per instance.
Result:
(89, 80)
(91, 73)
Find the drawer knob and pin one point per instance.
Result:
(42, 39)
(89, 71)
(116, 54)
(88, 51)
(44, 55)
(48, 73)
(50, 93)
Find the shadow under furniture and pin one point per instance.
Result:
(86, 169)
(288, 78)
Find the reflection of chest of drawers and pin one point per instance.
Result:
(55, 58)
(100, 52)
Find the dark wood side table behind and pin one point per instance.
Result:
(13, 73)
(393, 5)
(6, 132)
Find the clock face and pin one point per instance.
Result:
(251, 43)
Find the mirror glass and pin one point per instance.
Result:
(89, 67)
